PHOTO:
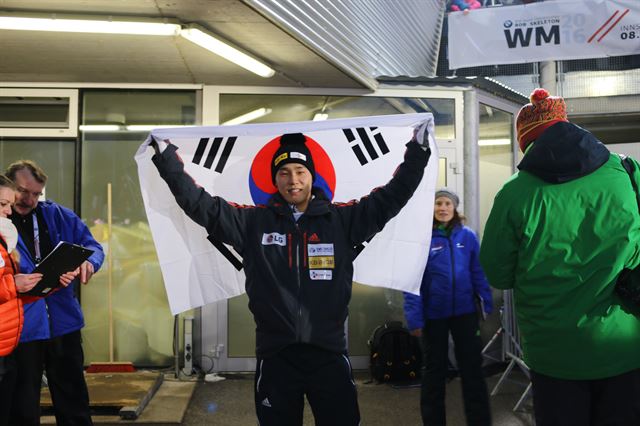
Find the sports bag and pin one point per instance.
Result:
(394, 353)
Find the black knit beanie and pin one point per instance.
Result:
(292, 150)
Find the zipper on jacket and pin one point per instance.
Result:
(298, 272)
(453, 277)
(304, 249)
(290, 255)
(19, 304)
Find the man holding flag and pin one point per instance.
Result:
(298, 256)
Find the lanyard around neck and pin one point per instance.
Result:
(36, 238)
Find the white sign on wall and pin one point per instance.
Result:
(544, 31)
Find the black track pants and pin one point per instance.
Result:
(283, 380)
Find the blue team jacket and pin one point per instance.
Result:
(451, 280)
(59, 313)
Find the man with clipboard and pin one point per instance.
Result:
(51, 337)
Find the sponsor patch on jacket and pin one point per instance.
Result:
(321, 262)
(1, 262)
(320, 274)
(459, 245)
(274, 238)
(436, 248)
(320, 249)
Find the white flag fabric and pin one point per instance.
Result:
(544, 31)
(351, 157)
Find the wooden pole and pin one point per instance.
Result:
(111, 366)
(110, 271)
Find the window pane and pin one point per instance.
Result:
(495, 156)
(56, 158)
(34, 112)
(283, 108)
(242, 339)
(442, 173)
(140, 310)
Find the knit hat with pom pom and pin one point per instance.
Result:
(293, 149)
(534, 118)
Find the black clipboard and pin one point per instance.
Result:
(65, 257)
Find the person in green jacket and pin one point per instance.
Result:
(560, 232)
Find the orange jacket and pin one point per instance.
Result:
(10, 305)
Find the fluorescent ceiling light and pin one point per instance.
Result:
(100, 127)
(88, 26)
(130, 127)
(492, 142)
(221, 48)
(110, 26)
(149, 127)
(320, 116)
(250, 116)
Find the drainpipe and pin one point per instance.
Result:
(548, 77)
(471, 159)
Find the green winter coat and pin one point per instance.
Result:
(559, 233)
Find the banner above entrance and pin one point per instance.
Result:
(546, 31)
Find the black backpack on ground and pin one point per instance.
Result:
(394, 354)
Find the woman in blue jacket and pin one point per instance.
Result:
(453, 285)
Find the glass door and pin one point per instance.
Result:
(140, 326)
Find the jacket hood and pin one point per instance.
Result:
(564, 152)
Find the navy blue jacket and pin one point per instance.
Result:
(451, 280)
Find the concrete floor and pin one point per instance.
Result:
(230, 402)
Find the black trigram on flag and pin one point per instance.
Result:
(213, 151)
(365, 137)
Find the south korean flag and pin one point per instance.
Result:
(351, 158)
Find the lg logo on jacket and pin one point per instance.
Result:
(274, 238)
